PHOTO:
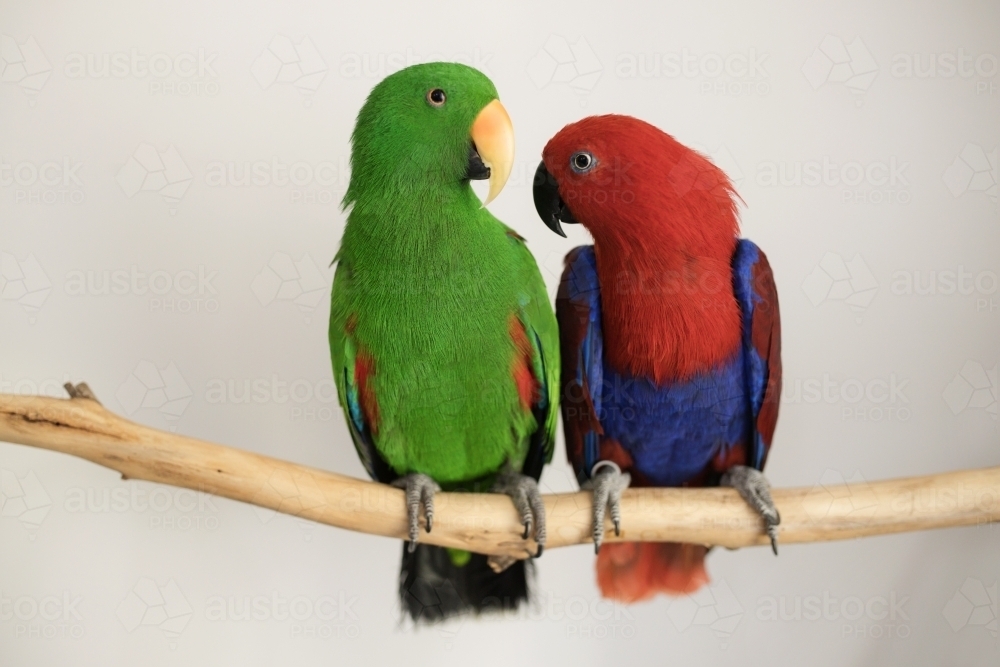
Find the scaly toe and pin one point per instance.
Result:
(756, 491)
(607, 482)
(419, 490)
(523, 492)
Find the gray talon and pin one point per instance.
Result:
(607, 481)
(420, 489)
(756, 490)
(523, 491)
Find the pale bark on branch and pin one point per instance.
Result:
(488, 523)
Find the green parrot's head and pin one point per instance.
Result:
(429, 127)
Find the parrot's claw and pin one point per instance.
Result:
(420, 489)
(607, 481)
(756, 490)
(523, 491)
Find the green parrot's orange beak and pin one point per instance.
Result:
(493, 136)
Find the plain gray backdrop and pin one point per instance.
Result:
(170, 175)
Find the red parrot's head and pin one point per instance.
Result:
(635, 187)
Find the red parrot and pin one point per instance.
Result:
(670, 335)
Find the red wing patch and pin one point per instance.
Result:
(364, 369)
(528, 388)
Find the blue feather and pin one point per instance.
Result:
(672, 432)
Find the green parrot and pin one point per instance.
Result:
(445, 347)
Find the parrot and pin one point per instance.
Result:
(670, 336)
(443, 341)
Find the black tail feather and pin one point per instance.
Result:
(432, 588)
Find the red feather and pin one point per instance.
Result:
(528, 388)
(364, 369)
(634, 571)
(665, 227)
(664, 223)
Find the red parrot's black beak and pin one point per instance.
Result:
(550, 206)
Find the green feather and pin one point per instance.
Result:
(459, 557)
(428, 281)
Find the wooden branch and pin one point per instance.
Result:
(488, 523)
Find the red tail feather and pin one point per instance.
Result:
(634, 571)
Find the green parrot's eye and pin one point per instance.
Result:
(582, 162)
(436, 97)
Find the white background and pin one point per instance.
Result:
(906, 381)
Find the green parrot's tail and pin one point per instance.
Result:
(432, 587)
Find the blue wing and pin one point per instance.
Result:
(753, 284)
(578, 309)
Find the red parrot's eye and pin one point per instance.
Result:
(436, 97)
(582, 162)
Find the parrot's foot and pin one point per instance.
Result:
(607, 481)
(420, 489)
(523, 490)
(756, 490)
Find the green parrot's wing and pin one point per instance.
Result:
(539, 321)
(349, 373)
